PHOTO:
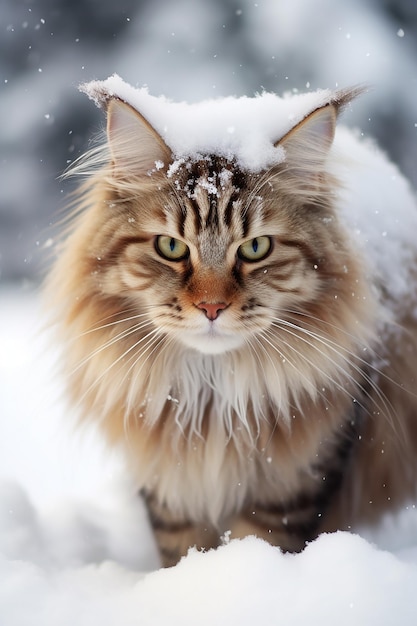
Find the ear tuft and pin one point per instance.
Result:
(136, 148)
(307, 144)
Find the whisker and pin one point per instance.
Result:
(110, 324)
(342, 351)
(386, 407)
(159, 340)
(356, 356)
(254, 351)
(122, 335)
(335, 327)
(100, 325)
(266, 352)
(134, 357)
(121, 357)
(285, 356)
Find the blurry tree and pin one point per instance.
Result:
(185, 49)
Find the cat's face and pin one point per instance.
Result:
(220, 261)
(216, 257)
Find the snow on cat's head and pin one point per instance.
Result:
(245, 129)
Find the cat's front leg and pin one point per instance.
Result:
(175, 534)
(289, 529)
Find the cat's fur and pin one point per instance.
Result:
(258, 397)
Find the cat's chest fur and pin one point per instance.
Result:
(218, 439)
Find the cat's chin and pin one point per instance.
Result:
(212, 344)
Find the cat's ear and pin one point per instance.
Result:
(136, 148)
(307, 145)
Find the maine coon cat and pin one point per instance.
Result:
(241, 320)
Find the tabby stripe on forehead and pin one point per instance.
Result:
(240, 183)
(231, 208)
(228, 213)
(198, 225)
(212, 216)
(245, 220)
(181, 223)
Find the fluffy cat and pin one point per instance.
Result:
(233, 329)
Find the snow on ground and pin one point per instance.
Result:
(75, 546)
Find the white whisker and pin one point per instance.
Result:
(119, 337)
(110, 324)
(310, 387)
(345, 354)
(159, 340)
(367, 363)
(120, 358)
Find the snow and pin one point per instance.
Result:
(76, 548)
(379, 208)
(242, 128)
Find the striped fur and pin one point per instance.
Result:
(267, 418)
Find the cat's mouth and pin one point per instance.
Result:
(212, 339)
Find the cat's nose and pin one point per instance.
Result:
(211, 310)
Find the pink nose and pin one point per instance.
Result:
(212, 310)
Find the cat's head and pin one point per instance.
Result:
(216, 256)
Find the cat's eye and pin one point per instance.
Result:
(170, 248)
(255, 249)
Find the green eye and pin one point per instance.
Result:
(255, 249)
(171, 248)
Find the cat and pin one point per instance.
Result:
(234, 332)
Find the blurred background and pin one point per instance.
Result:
(184, 49)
